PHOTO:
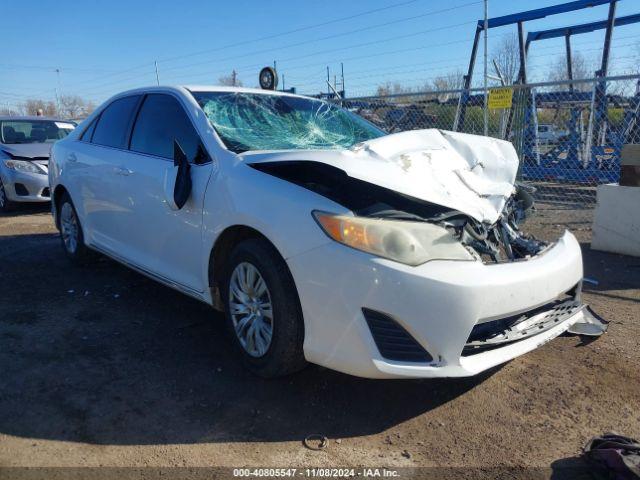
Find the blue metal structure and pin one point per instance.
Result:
(581, 28)
(601, 163)
(519, 19)
(597, 164)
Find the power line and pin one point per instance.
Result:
(289, 32)
(347, 47)
(96, 89)
(328, 22)
(365, 44)
(324, 38)
(9, 66)
(328, 37)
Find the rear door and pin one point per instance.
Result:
(166, 242)
(96, 167)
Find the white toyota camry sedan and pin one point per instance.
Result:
(322, 238)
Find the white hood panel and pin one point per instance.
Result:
(469, 173)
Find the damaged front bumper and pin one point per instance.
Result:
(499, 333)
(438, 305)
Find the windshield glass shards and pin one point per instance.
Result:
(253, 121)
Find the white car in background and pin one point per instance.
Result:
(25, 143)
(322, 239)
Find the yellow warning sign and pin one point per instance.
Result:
(500, 97)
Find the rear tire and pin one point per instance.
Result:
(6, 205)
(71, 232)
(262, 310)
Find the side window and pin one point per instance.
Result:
(162, 120)
(88, 133)
(113, 125)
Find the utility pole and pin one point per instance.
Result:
(157, 77)
(328, 83)
(342, 75)
(234, 78)
(57, 91)
(486, 43)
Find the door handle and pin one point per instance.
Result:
(72, 158)
(123, 171)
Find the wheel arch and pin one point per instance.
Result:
(222, 247)
(58, 193)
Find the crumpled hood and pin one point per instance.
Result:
(27, 150)
(469, 173)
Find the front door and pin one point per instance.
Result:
(164, 241)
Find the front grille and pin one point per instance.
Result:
(393, 341)
(45, 192)
(21, 190)
(498, 333)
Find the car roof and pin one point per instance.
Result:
(203, 88)
(32, 117)
(221, 88)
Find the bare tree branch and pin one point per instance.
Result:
(231, 80)
(580, 67)
(33, 105)
(507, 57)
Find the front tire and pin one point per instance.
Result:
(71, 232)
(262, 310)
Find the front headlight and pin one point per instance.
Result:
(24, 166)
(411, 243)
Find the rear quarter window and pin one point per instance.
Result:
(88, 133)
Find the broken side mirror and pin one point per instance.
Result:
(177, 181)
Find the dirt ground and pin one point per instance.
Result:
(100, 366)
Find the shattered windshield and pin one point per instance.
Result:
(253, 121)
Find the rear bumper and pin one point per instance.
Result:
(437, 303)
(26, 187)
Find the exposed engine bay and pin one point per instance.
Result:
(501, 241)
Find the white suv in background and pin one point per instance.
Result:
(322, 238)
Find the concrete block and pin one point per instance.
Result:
(616, 226)
(630, 154)
(630, 166)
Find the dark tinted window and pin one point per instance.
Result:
(161, 121)
(86, 135)
(114, 122)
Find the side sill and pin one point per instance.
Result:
(154, 276)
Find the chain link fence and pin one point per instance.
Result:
(568, 134)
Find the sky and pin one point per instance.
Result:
(103, 47)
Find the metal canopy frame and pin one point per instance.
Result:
(519, 19)
(580, 28)
(598, 96)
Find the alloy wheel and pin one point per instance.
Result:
(69, 228)
(251, 309)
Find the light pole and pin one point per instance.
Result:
(486, 42)
(58, 91)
